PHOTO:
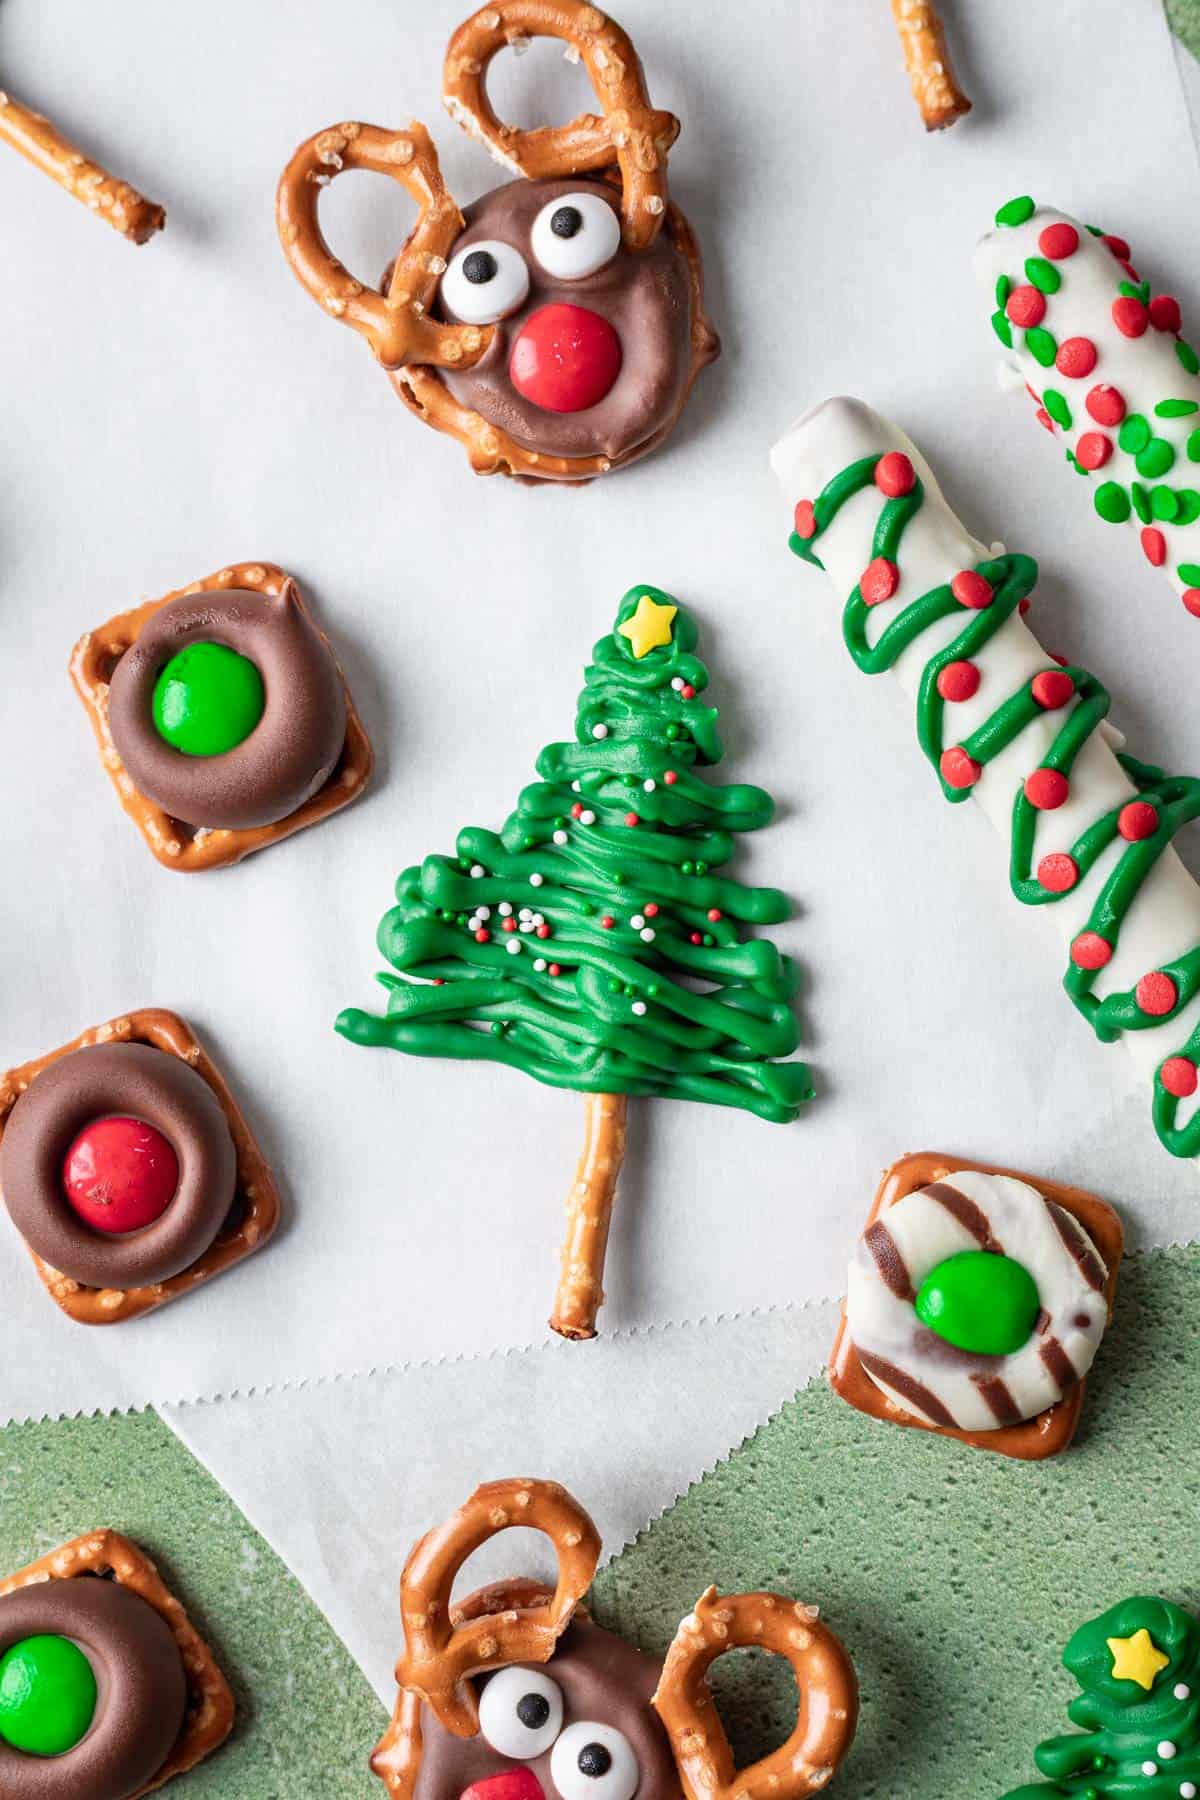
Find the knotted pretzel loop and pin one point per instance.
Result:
(630, 133)
(396, 325)
(824, 1674)
(443, 1645)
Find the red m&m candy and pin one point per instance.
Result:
(120, 1175)
(565, 358)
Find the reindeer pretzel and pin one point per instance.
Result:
(630, 133)
(443, 1647)
(397, 324)
(824, 1675)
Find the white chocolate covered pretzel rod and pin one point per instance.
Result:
(1000, 718)
(1106, 366)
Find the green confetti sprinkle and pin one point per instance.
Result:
(1003, 331)
(1193, 447)
(1040, 345)
(1141, 501)
(1187, 356)
(1112, 502)
(1134, 434)
(1164, 504)
(1095, 230)
(1043, 274)
(1135, 290)
(1075, 462)
(1003, 289)
(1176, 409)
(1189, 506)
(1015, 212)
(1156, 459)
(1056, 405)
(1190, 573)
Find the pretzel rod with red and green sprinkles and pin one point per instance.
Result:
(1104, 362)
(1023, 732)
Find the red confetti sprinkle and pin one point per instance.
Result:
(483, 935)
(878, 581)
(542, 931)
(805, 519)
(1052, 689)
(1044, 420)
(1033, 394)
(577, 810)
(1191, 599)
(1055, 657)
(651, 909)
(1023, 606)
(632, 819)
(1137, 820)
(696, 937)
(1093, 450)
(508, 924)
(439, 981)
(1118, 246)
(958, 769)
(1106, 404)
(688, 691)
(1165, 314)
(970, 589)
(1155, 545)
(1046, 789)
(1130, 316)
(1179, 1076)
(1156, 994)
(895, 475)
(1075, 357)
(1026, 307)
(1058, 241)
(1090, 950)
(958, 681)
(1058, 873)
(608, 922)
(1131, 271)
(556, 968)
(670, 777)
(715, 914)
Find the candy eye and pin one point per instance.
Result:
(575, 236)
(521, 1713)
(594, 1762)
(485, 282)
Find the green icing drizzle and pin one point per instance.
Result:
(1176, 799)
(1121, 1723)
(679, 1004)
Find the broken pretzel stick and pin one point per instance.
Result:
(121, 205)
(589, 1210)
(927, 61)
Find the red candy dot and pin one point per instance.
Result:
(607, 922)
(1130, 316)
(958, 681)
(483, 935)
(577, 810)
(120, 1175)
(879, 581)
(1165, 314)
(895, 475)
(1191, 599)
(1046, 789)
(1090, 950)
(715, 914)
(1058, 241)
(958, 769)
(1052, 689)
(651, 909)
(508, 924)
(438, 981)
(1155, 545)
(1131, 271)
(670, 777)
(1058, 873)
(805, 519)
(1137, 820)
(1023, 606)
(632, 819)
(1093, 450)
(695, 937)
(1106, 404)
(543, 931)
(1026, 307)
(1075, 357)
(1118, 246)
(687, 691)
(970, 589)
(1044, 420)
(555, 969)
(1156, 994)
(1179, 1076)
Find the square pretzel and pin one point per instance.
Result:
(1033, 1439)
(188, 847)
(252, 1217)
(109, 1556)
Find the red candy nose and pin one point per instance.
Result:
(565, 359)
(513, 1784)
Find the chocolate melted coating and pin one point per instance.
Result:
(292, 750)
(142, 1083)
(141, 1690)
(645, 298)
(603, 1680)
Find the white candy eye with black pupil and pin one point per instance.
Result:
(521, 1713)
(591, 1761)
(485, 282)
(575, 235)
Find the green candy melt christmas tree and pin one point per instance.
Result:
(593, 943)
(1138, 1666)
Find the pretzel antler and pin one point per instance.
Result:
(824, 1675)
(443, 1647)
(41, 142)
(396, 325)
(630, 133)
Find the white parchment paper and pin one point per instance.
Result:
(171, 409)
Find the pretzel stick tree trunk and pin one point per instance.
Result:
(121, 205)
(927, 61)
(589, 1211)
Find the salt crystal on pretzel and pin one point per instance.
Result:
(1104, 361)
(927, 61)
(109, 198)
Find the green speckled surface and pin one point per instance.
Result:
(954, 1577)
(1185, 22)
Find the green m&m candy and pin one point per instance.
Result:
(47, 1696)
(979, 1302)
(207, 700)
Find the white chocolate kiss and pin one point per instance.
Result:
(882, 1324)
(1163, 921)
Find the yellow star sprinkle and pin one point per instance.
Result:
(649, 627)
(1137, 1658)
